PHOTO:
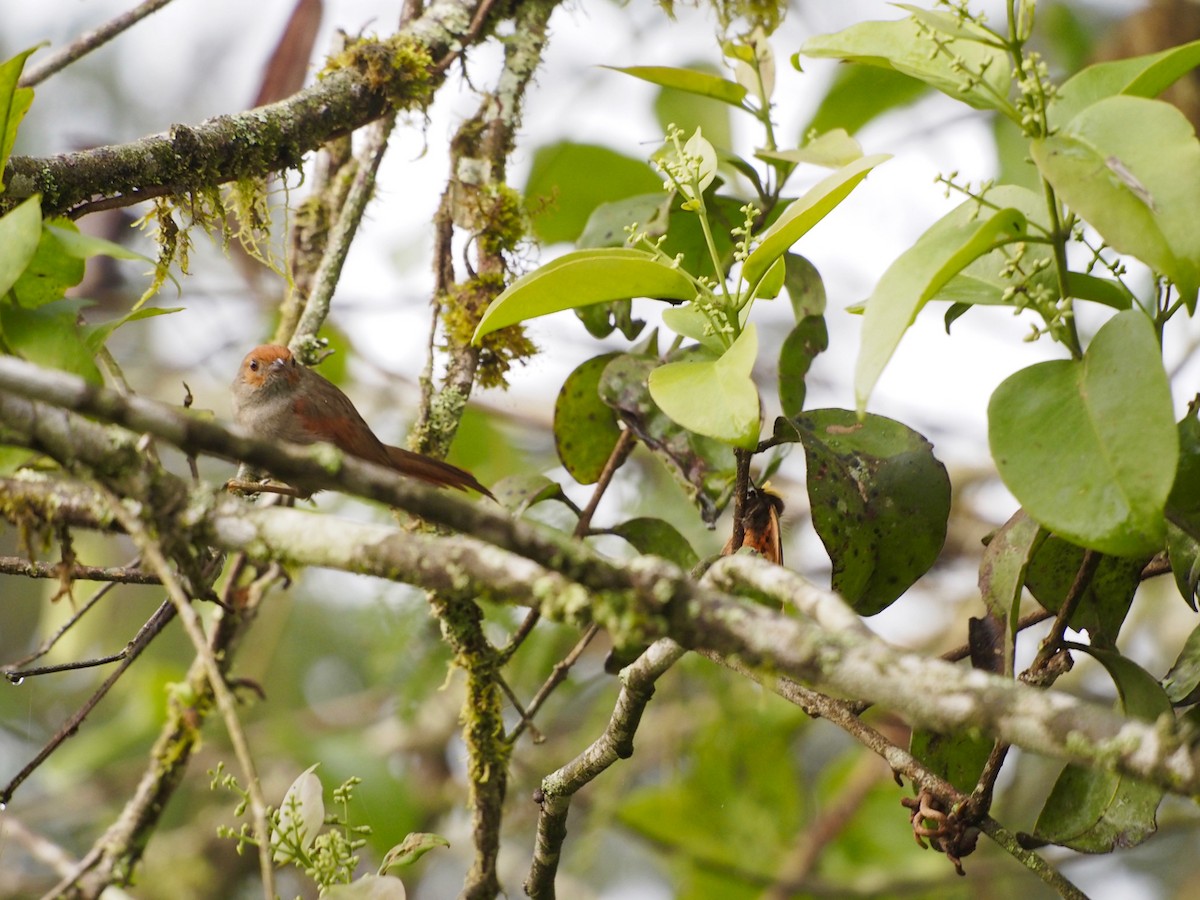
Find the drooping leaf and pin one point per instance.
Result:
(808, 338)
(1131, 168)
(802, 214)
(1183, 679)
(581, 278)
(585, 427)
(1002, 577)
(1095, 811)
(713, 397)
(903, 45)
(918, 275)
(804, 286)
(1089, 447)
(880, 501)
(658, 538)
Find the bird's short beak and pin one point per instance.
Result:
(278, 363)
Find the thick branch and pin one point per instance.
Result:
(930, 692)
(376, 77)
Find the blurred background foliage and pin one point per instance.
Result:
(730, 788)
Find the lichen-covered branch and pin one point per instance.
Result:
(663, 600)
(557, 789)
(367, 81)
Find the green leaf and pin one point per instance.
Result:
(1095, 811)
(802, 214)
(97, 335)
(1089, 447)
(832, 150)
(918, 276)
(1002, 576)
(14, 103)
(703, 466)
(902, 45)
(1139, 76)
(567, 181)
(1183, 508)
(20, 233)
(880, 472)
(958, 758)
(1131, 168)
(691, 322)
(517, 493)
(84, 246)
(585, 427)
(1181, 682)
(689, 80)
(715, 397)
(606, 225)
(49, 335)
(1106, 599)
(413, 847)
(581, 278)
(808, 338)
(50, 273)
(658, 538)
(804, 285)
(860, 94)
(368, 887)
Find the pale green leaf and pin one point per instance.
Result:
(714, 397)
(805, 212)
(582, 278)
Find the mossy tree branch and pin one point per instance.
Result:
(370, 79)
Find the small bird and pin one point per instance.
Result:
(760, 521)
(274, 396)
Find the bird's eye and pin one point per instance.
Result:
(254, 365)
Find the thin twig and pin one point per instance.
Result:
(341, 235)
(88, 42)
(16, 565)
(141, 640)
(152, 553)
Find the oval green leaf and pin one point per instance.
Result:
(716, 398)
(1089, 446)
(880, 502)
(582, 278)
(658, 538)
(585, 427)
